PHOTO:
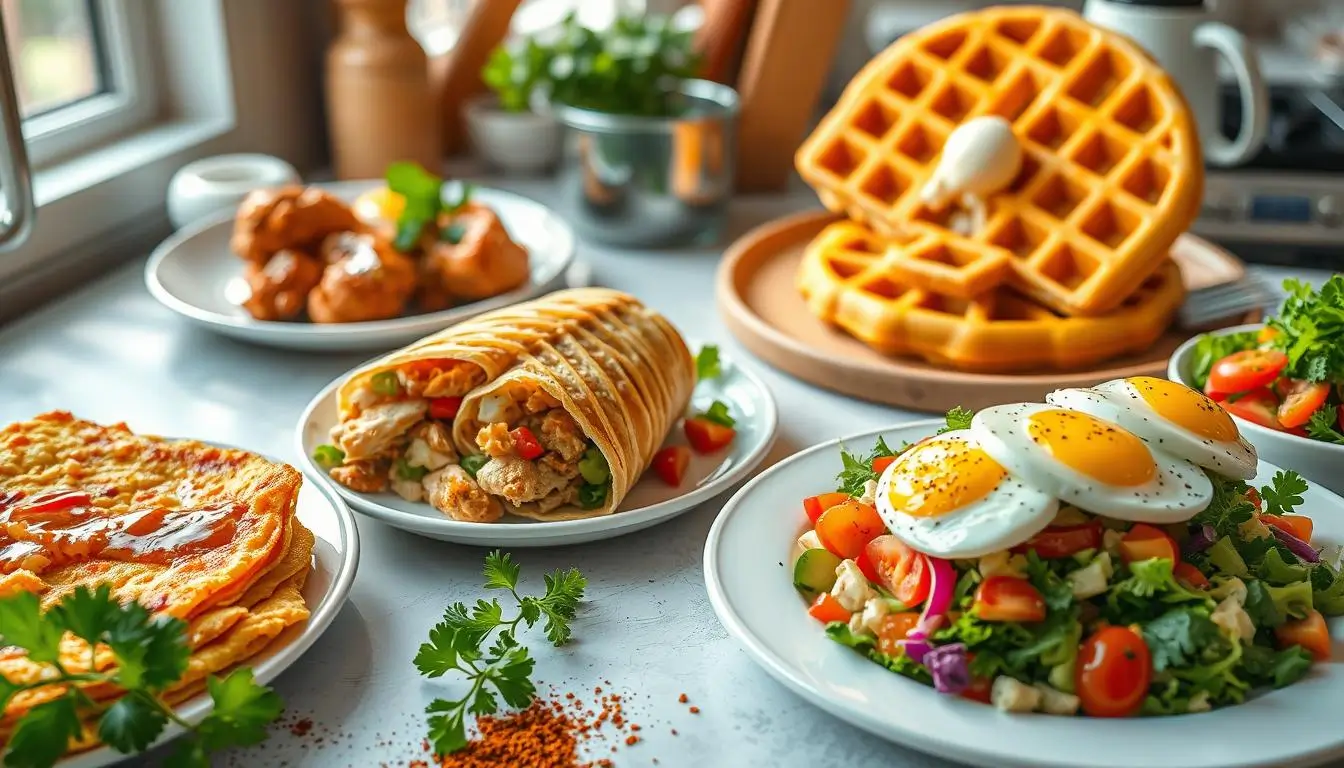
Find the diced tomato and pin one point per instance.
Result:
(1064, 541)
(827, 609)
(526, 444)
(1311, 633)
(815, 505)
(1298, 525)
(51, 501)
(445, 408)
(979, 690)
(1254, 497)
(865, 565)
(1258, 407)
(881, 463)
(1145, 542)
(670, 464)
(1190, 576)
(894, 628)
(1214, 394)
(1114, 670)
(846, 528)
(1301, 399)
(707, 436)
(903, 571)
(1006, 598)
(1247, 369)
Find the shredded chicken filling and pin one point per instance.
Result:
(540, 457)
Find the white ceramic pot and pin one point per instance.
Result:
(1319, 462)
(213, 184)
(514, 142)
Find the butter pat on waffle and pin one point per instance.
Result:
(1110, 170)
(847, 281)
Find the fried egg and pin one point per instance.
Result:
(1093, 463)
(946, 497)
(1170, 417)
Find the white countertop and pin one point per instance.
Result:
(110, 353)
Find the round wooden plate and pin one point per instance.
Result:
(761, 305)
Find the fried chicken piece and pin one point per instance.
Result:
(428, 379)
(519, 480)
(365, 279)
(281, 285)
(560, 433)
(540, 401)
(495, 441)
(272, 220)
(376, 428)
(430, 294)
(452, 491)
(361, 476)
(479, 260)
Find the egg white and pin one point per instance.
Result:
(1178, 491)
(1007, 516)
(1120, 402)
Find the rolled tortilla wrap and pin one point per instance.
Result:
(623, 376)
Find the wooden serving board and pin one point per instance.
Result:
(760, 303)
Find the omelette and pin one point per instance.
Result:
(205, 534)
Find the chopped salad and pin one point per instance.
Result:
(1090, 615)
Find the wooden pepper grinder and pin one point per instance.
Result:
(380, 108)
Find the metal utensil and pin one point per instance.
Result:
(1207, 306)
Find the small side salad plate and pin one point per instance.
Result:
(650, 502)
(750, 580)
(195, 274)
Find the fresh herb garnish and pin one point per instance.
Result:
(422, 192)
(328, 457)
(593, 495)
(1310, 330)
(472, 463)
(1322, 425)
(718, 413)
(858, 468)
(707, 363)
(957, 418)
(458, 644)
(151, 654)
(1284, 492)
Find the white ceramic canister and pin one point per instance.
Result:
(212, 184)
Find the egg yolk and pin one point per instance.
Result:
(1092, 447)
(1185, 408)
(939, 476)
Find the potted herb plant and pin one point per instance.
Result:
(511, 128)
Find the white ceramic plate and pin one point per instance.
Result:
(335, 559)
(650, 502)
(195, 274)
(748, 574)
(1318, 461)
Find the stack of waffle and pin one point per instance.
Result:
(1070, 264)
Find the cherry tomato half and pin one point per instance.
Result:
(903, 571)
(1114, 669)
(1145, 542)
(670, 464)
(813, 506)
(1311, 633)
(1190, 576)
(1298, 525)
(707, 436)
(881, 463)
(1301, 399)
(1064, 541)
(846, 528)
(894, 628)
(1006, 598)
(1247, 369)
(1258, 407)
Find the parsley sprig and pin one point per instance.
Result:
(422, 192)
(707, 364)
(1322, 425)
(1310, 328)
(458, 644)
(150, 654)
(857, 468)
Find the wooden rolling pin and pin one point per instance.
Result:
(721, 37)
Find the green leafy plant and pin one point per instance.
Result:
(631, 68)
(459, 644)
(422, 192)
(150, 655)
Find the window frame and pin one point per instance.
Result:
(130, 92)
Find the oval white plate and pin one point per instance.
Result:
(650, 502)
(195, 274)
(748, 574)
(335, 560)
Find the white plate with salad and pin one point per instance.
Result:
(661, 494)
(1187, 625)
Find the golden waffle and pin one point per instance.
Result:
(1111, 162)
(846, 278)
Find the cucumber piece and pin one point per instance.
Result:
(814, 572)
(1061, 676)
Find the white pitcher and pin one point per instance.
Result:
(1182, 36)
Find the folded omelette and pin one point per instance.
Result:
(549, 409)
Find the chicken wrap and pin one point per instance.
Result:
(567, 431)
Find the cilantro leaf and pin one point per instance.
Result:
(501, 572)
(470, 626)
(1176, 637)
(707, 365)
(1056, 590)
(1284, 493)
(718, 413)
(447, 726)
(564, 591)
(957, 418)
(1260, 606)
(1310, 330)
(241, 713)
(132, 723)
(439, 656)
(1277, 668)
(190, 753)
(86, 613)
(510, 673)
(22, 624)
(150, 652)
(1322, 425)
(43, 734)
(857, 469)
(1229, 507)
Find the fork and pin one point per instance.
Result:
(1206, 306)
